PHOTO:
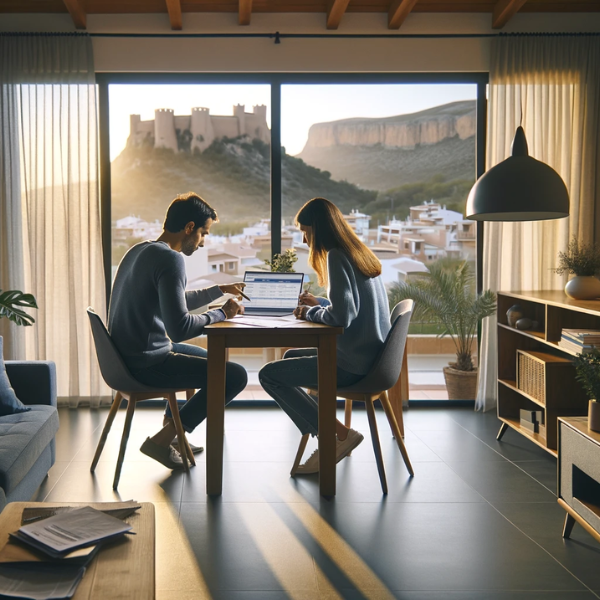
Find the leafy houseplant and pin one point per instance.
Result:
(11, 302)
(583, 261)
(446, 295)
(283, 263)
(587, 368)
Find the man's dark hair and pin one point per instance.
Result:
(188, 207)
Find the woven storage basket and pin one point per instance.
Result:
(536, 371)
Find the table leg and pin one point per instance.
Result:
(215, 414)
(327, 405)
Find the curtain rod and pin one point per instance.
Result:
(277, 36)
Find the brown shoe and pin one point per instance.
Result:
(167, 456)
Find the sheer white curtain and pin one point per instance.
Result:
(52, 78)
(552, 83)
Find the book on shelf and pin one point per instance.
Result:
(587, 336)
(575, 347)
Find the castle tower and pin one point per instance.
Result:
(260, 110)
(202, 130)
(256, 125)
(134, 121)
(239, 111)
(164, 129)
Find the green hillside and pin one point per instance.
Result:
(232, 174)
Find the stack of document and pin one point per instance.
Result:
(580, 341)
(46, 558)
(68, 531)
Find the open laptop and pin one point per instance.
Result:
(271, 294)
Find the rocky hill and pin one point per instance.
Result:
(232, 174)
(384, 153)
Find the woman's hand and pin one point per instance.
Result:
(232, 308)
(307, 299)
(300, 312)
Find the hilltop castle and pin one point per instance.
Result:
(197, 130)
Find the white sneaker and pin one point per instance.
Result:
(342, 449)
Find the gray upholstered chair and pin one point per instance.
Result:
(117, 376)
(374, 385)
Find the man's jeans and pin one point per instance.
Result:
(283, 380)
(186, 367)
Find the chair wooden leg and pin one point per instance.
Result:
(126, 430)
(387, 407)
(301, 448)
(376, 445)
(109, 421)
(172, 398)
(348, 416)
(189, 394)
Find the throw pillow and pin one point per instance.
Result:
(9, 403)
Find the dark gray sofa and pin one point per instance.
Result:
(27, 444)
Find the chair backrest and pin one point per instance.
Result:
(386, 369)
(112, 366)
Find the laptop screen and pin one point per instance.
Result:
(272, 291)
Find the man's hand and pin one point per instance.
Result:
(300, 312)
(232, 308)
(307, 299)
(235, 289)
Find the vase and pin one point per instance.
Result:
(513, 314)
(583, 287)
(594, 415)
(461, 385)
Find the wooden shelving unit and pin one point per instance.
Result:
(563, 395)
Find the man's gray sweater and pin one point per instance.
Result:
(359, 304)
(149, 306)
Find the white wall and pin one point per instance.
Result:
(297, 55)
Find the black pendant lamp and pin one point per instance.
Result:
(519, 188)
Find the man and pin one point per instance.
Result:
(149, 318)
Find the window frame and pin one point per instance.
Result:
(275, 80)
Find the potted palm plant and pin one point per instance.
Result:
(446, 295)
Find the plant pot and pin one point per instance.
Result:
(461, 385)
(583, 287)
(594, 415)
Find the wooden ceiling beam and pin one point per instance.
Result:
(504, 10)
(335, 11)
(77, 12)
(174, 9)
(399, 10)
(244, 12)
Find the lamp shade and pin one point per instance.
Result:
(519, 188)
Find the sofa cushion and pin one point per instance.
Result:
(23, 437)
(9, 403)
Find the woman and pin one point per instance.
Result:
(357, 302)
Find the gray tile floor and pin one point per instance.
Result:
(479, 521)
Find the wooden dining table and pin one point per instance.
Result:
(283, 333)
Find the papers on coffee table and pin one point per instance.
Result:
(67, 531)
(271, 322)
(39, 581)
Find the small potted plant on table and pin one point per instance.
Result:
(446, 295)
(587, 367)
(583, 261)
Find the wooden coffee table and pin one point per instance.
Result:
(121, 570)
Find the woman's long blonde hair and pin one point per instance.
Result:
(330, 230)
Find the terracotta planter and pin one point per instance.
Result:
(461, 385)
(583, 287)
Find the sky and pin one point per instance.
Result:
(302, 105)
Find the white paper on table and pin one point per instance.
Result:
(270, 322)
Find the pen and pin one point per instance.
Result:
(244, 296)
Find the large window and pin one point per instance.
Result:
(397, 154)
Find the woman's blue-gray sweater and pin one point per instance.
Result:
(359, 304)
